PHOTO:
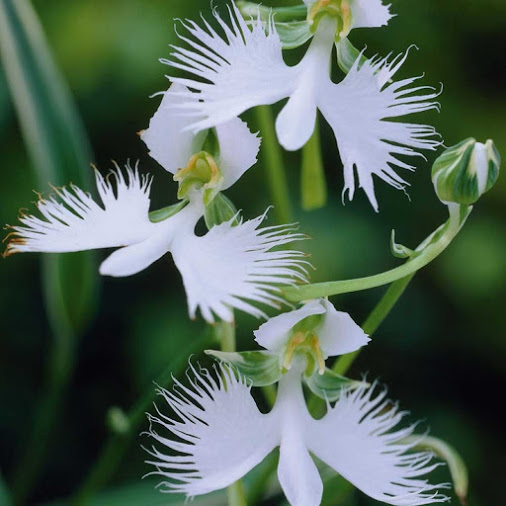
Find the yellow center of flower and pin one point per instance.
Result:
(305, 344)
(339, 9)
(202, 171)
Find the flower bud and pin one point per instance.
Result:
(463, 173)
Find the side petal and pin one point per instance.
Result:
(358, 108)
(275, 332)
(369, 13)
(338, 333)
(217, 429)
(238, 150)
(167, 138)
(355, 438)
(241, 69)
(234, 266)
(72, 221)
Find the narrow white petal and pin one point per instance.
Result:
(338, 333)
(297, 473)
(355, 439)
(275, 332)
(217, 428)
(72, 221)
(234, 266)
(235, 71)
(358, 109)
(369, 13)
(238, 150)
(295, 123)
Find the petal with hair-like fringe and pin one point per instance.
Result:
(357, 438)
(221, 433)
(234, 266)
(358, 109)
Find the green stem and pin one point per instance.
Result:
(313, 185)
(375, 319)
(117, 444)
(225, 332)
(427, 255)
(5, 497)
(275, 170)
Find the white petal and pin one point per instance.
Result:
(167, 138)
(238, 150)
(297, 472)
(275, 332)
(357, 109)
(243, 68)
(233, 266)
(73, 221)
(355, 439)
(218, 430)
(135, 258)
(369, 13)
(338, 333)
(295, 124)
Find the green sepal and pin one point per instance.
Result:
(290, 22)
(328, 386)
(220, 210)
(464, 172)
(399, 250)
(262, 368)
(347, 55)
(449, 454)
(166, 212)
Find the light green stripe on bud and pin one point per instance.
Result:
(463, 173)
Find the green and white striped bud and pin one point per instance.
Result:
(463, 173)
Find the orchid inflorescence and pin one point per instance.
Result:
(214, 433)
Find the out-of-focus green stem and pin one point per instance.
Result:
(225, 331)
(375, 319)
(313, 186)
(5, 497)
(275, 170)
(117, 443)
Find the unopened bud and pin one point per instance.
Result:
(463, 173)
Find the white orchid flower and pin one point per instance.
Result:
(219, 435)
(229, 267)
(244, 68)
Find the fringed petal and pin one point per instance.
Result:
(234, 267)
(216, 428)
(369, 13)
(233, 72)
(355, 438)
(357, 110)
(72, 221)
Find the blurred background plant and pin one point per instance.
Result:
(442, 349)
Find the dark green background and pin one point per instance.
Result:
(442, 349)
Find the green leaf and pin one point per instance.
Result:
(57, 146)
(456, 464)
(166, 212)
(261, 367)
(347, 54)
(328, 386)
(313, 183)
(220, 210)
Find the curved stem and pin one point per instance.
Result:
(275, 170)
(117, 443)
(426, 255)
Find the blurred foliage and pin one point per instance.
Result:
(441, 350)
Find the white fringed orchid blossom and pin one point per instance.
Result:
(220, 435)
(244, 68)
(229, 267)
